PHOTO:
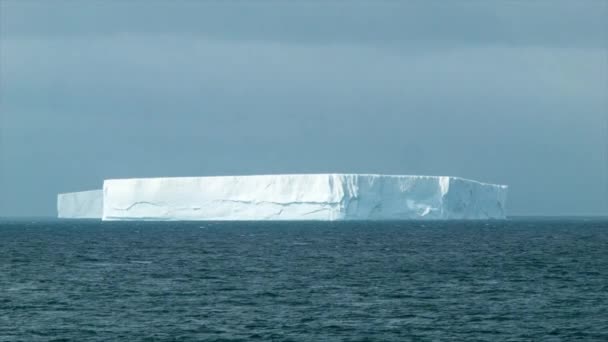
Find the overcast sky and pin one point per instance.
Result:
(511, 92)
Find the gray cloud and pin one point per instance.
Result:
(409, 23)
(101, 96)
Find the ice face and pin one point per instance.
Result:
(302, 197)
(84, 204)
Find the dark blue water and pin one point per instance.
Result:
(518, 280)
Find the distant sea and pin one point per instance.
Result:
(524, 279)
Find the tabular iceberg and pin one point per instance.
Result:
(83, 204)
(325, 197)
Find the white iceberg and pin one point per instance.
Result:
(83, 204)
(324, 197)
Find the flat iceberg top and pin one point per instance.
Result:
(308, 175)
(302, 197)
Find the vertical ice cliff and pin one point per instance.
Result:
(84, 204)
(302, 197)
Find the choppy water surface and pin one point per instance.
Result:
(518, 280)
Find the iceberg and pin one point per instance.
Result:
(83, 204)
(326, 197)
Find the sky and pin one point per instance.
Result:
(510, 92)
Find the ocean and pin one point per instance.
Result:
(523, 279)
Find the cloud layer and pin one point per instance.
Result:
(512, 93)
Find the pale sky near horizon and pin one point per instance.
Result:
(510, 92)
